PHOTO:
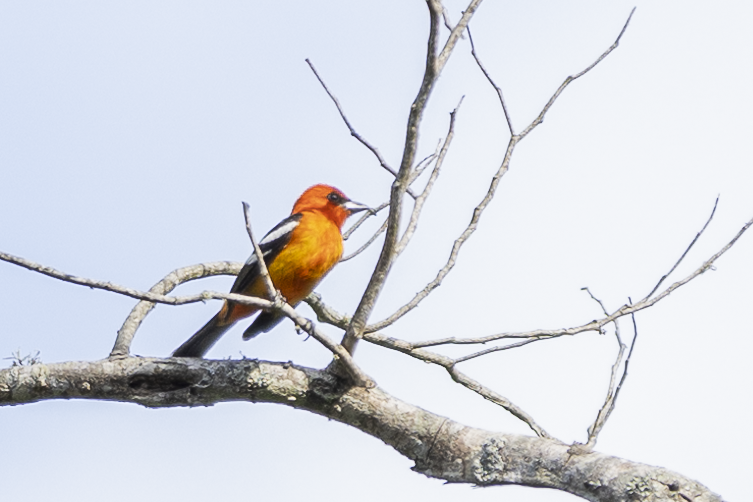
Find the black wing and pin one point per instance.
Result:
(262, 324)
(271, 245)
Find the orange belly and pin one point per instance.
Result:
(314, 249)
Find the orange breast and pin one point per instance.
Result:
(314, 249)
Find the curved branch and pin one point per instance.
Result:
(441, 448)
(178, 276)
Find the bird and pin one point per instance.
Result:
(298, 252)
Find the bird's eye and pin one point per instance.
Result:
(335, 198)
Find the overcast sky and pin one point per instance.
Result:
(130, 133)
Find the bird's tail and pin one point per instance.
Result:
(200, 343)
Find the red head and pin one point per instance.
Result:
(329, 201)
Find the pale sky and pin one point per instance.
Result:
(131, 132)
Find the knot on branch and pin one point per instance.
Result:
(166, 378)
(328, 388)
(489, 465)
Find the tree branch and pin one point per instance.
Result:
(441, 448)
(123, 343)
(366, 245)
(362, 219)
(687, 250)
(497, 88)
(434, 65)
(596, 324)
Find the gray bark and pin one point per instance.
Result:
(440, 447)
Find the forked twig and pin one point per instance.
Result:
(435, 62)
(477, 212)
(368, 243)
(613, 392)
(421, 199)
(572, 78)
(362, 219)
(449, 364)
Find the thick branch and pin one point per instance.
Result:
(440, 447)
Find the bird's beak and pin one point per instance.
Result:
(356, 207)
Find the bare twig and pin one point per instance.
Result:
(447, 22)
(458, 244)
(698, 235)
(595, 325)
(424, 163)
(497, 399)
(368, 243)
(496, 349)
(421, 199)
(538, 120)
(17, 360)
(341, 354)
(613, 393)
(627, 361)
(325, 313)
(272, 293)
(362, 219)
(514, 139)
(353, 132)
(449, 364)
(456, 33)
(601, 416)
(491, 81)
(104, 285)
(601, 304)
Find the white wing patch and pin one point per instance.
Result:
(279, 232)
(276, 234)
